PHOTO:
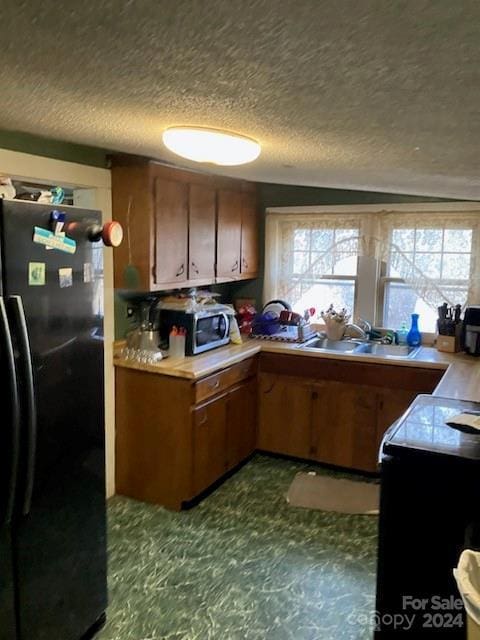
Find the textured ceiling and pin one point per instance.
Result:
(370, 94)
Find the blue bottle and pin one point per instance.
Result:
(414, 337)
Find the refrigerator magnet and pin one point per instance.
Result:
(87, 272)
(36, 274)
(51, 241)
(65, 277)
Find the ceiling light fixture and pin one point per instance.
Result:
(211, 145)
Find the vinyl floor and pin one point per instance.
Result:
(242, 565)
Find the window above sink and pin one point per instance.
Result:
(380, 262)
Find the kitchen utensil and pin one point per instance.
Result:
(276, 307)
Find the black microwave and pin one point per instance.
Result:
(206, 330)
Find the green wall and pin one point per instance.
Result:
(40, 146)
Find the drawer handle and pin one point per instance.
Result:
(195, 268)
(181, 271)
(215, 385)
(202, 420)
(235, 265)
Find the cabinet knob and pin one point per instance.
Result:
(235, 266)
(245, 264)
(181, 271)
(195, 268)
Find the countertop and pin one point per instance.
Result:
(460, 382)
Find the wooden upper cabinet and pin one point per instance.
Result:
(201, 238)
(171, 231)
(229, 233)
(182, 229)
(249, 246)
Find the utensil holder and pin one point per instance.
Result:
(450, 344)
(335, 330)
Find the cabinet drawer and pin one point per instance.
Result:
(222, 380)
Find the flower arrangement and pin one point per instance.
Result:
(335, 322)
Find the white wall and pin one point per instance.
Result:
(92, 188)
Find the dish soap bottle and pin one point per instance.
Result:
(414, 337)
(402, 333)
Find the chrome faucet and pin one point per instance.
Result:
(355, 331)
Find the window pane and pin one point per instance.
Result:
(322, 239)
(300, 261)
(321, 264)
(346, 240)
(401, 301)
(345, 265)
(301, 239)
(456, 266)
(458, 240)
(427, 264)
(428, 239)
(340, 293)
(401, 265)
(404, 239)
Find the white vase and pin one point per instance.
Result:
(335, 330)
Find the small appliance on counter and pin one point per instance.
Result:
(205, 329)
(471, 331)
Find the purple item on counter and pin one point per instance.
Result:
(265, 324)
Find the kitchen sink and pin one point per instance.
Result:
(393, 350)
(362, 347)
(344, 346)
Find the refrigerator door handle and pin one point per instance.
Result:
(19, 327)
(7, 345)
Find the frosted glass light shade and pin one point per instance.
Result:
(211, 145)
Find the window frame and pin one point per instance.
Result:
(371, 303)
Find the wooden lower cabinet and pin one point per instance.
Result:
(224, 434)
(344, 425)
(209, 443)
(284, 415)
(169, 446)
(241, 421)
(332, 418)
(391, 405)
(176, 437)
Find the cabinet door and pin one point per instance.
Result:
(284, 415)
(241, 422)
(229, 229)
(392, 403)
(344, 424)
(171, 231)
(249, 250)
(209, 443)
(201, 242)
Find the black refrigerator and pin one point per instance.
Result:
(52, 452)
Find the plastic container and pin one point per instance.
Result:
(402, 333)
(414, 337)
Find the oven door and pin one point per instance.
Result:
(210, 332)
